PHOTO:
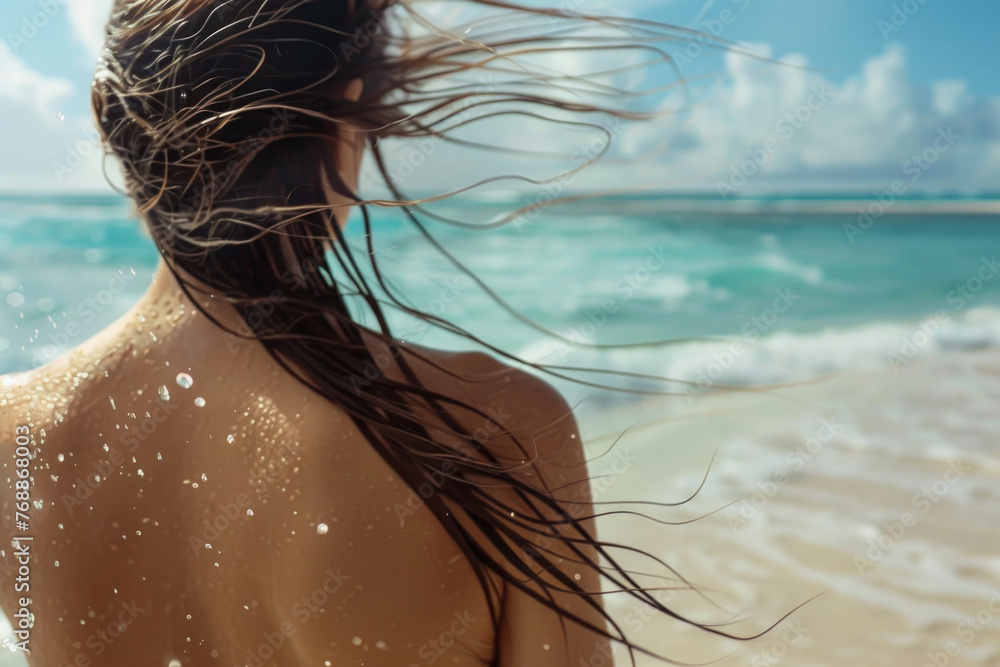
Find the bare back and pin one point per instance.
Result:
(233, 518)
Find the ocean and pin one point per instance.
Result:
(802, 291)
(872, 480)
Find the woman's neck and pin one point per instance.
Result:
(166, 289)
(165, 308)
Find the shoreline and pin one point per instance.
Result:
(878, 490)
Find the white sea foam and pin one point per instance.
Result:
(787, 356)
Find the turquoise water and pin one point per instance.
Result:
(603, 272)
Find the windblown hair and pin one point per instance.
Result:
(226, 117)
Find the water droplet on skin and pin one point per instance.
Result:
(61, 458)
(381, 645)
(184, 380)
(230, 438)
(112, 403)
(322, 529)
(356, 641)
(249, 512)
(174, 663)
(577, 577)
(215, 654)
(545, 647)
(200, 402)
(164, 392)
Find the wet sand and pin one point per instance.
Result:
(879, 490)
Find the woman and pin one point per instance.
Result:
(237, 472)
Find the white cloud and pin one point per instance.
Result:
(87, 18)
(856, 134)
(22, 86)
(36, 138)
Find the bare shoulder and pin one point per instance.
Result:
(49, 400)
(44, 393)
(539, 439)
(15, 400)
(515, 402)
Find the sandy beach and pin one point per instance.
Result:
(878, 490)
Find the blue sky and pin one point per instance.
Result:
(893, 85)
(953, 39)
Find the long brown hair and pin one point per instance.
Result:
(226, 117)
